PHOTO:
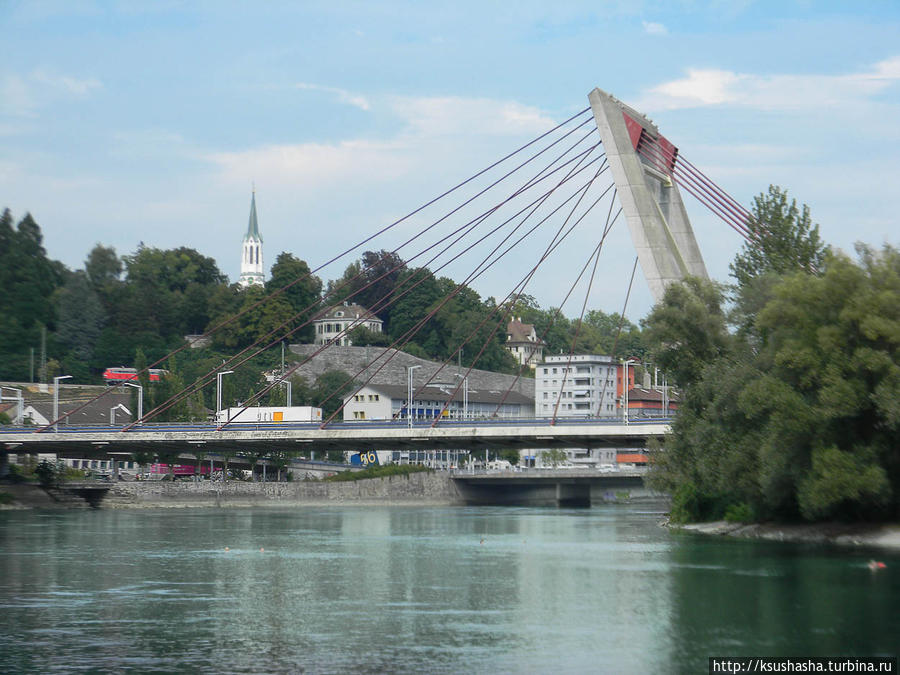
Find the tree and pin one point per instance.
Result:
(784, 239)
(103, 267)
(553, 457)
(28, 279)
(80, 324)
(687, 329)
(302, 296)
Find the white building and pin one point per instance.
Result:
(252, 270)
(523, 343)
(583, 385)
(388, 402)
(334, 324)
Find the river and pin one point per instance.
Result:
(358, 589)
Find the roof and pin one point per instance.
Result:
(641, 394)
(252, 225)
(517, 331)
(95, 412)
(347, 311)
(442, 392)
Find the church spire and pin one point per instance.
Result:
(252, 269)
(253, 225)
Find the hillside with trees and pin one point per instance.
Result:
(792, 394)
(134, 310)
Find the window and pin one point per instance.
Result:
(339, 314)
(545, 394)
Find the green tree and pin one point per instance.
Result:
(302, 296)
(80, 324)
(688, 329)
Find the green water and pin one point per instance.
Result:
(420, 590)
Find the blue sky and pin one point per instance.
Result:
(127, 122)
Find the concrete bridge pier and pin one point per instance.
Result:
(4, 464)
(573, 494)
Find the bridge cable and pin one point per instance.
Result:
(230, 320)
(205, 379)
(293, 369)
(509, 302)
(587, 295)
(484, 266)
(558, 310)
(618, 333)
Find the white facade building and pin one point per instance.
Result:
(584, 385)
(388, 401)
(252, 268)
(523, 343)
(335, 324)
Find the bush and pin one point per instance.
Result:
(46, 473)
(6, 498)
(686, 504)
(740, 513)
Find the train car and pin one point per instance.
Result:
(117, 375)
(256, 415)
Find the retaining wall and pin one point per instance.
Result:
(416, 488)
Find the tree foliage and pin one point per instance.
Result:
(795, 414)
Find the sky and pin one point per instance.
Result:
(124, 123)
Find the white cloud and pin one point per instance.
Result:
(65, 83)
(343, 95)
(654, 28)
(450, 115)
(439, 126)
(22, 96)
(706, 87)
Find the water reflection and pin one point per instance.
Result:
(362, 589)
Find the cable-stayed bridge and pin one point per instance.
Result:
(564, 188)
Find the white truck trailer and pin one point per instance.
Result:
(260, 415)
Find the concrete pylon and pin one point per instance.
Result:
(651, 202)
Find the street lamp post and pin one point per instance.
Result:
(112, 413)
(56, 399)
(219, 377)
(140, 408)
(409, 394)
(626, 363)
(465, 401)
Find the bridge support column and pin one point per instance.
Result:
(573, 494)
(4, 464)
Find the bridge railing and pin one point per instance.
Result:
(418, 425)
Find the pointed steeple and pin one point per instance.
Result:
(253, 226)
(252, 265)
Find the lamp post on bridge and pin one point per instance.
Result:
(56, 399)
(140, 408)
(465, 401)
(409, 394)
(112, 413)
(625, 365)
(219, 377)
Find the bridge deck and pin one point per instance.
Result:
(345, 436)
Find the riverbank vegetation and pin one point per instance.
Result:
(792, 394)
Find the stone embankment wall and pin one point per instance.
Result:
(416, 488)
